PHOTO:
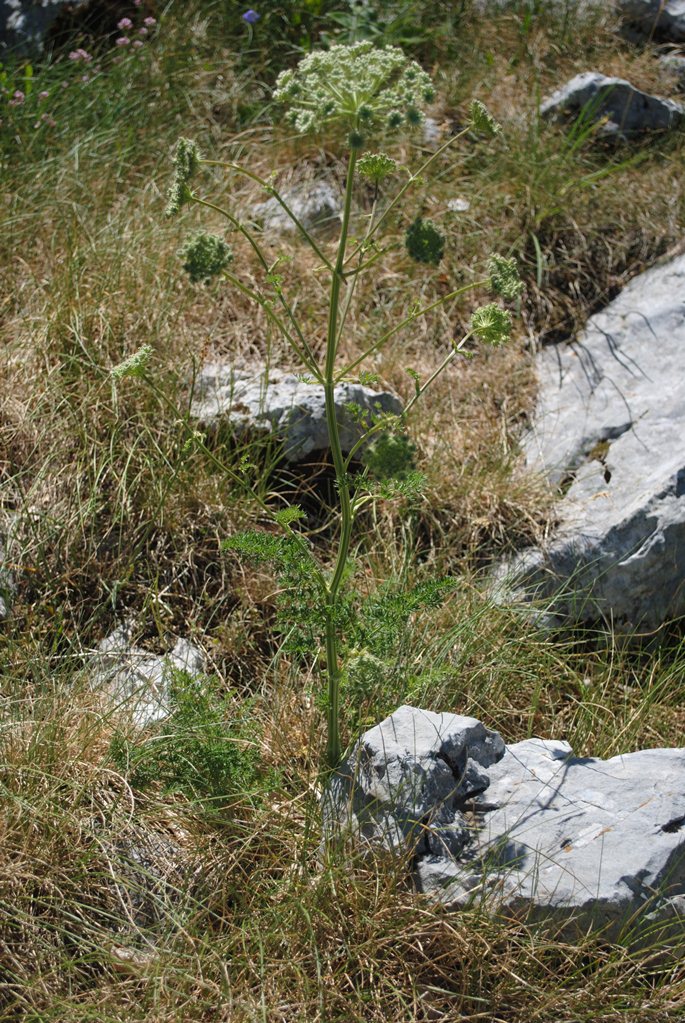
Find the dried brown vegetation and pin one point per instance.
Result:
(147, 902)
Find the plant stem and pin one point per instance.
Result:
(333, 751)
(311, 358)
(382, 423)
(279, 199)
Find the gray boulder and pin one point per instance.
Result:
(285, 406)
(25, 24)
(405, 783)
(527, 830)
(316, 204)
(608, 430)
(657, 19)
(136, 681)
(579, 841)
(628, 111)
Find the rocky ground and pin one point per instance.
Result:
(508, 844)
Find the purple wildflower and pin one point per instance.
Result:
(149, 22)
(122, 41)
(251, 17)
(143, 31)
(137, 43)
(17, 99)
(43, 95)
(124, 23)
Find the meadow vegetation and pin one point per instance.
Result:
(175, 874)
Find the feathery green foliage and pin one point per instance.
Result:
(424, 242)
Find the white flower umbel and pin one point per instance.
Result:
(359, 89)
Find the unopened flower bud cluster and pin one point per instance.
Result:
(361, 90)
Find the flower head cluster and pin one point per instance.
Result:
(135, 365)
(205, 256)
(186, 162)
(491, 324)
(483, 121)
(359, 89)
(424, 242)
(504, 277)
(251, 17)
(376, 166)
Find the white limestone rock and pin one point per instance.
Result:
(580, 841)
(285, 406)
(527, 830)
(609, 428)
(24, 24)
(138, 682)
(656, 19)
(628, 111)
(674, 66)
(316, 204)
(404, 783)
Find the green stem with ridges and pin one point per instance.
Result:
(333, 751)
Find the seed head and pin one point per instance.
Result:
(483, 121)
(376, 166)
(424, 242)
(359, 89)
(205, 255)
(135, 365)
(186, 162)
(504, 277)
(491, 324)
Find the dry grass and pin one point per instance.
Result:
(112, 513)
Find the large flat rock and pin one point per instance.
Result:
(609, 430)
(527, 830)
(285, 406)
(625, 110)
(578, 840)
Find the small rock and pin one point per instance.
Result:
(432, 131)
(316, 204)
(674, 65)
(608, 429)
(146, 886)
(283, 405)
(657, 19)
(137, 681)
(406, 781)
(628, 111)
(458, 205)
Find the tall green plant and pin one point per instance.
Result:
(365, 96)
